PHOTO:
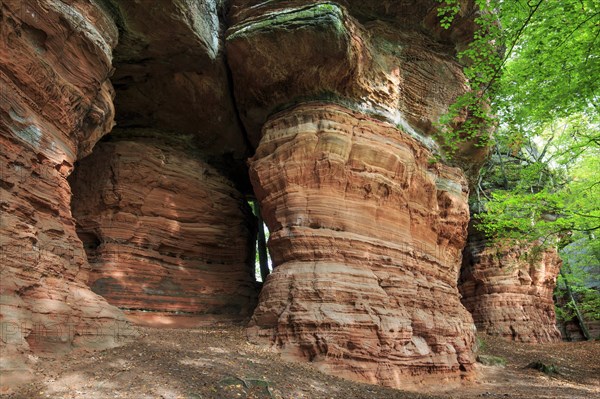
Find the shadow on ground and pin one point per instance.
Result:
(217, 362)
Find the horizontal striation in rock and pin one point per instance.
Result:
(415, 15)
(171, 54)
(366, 236)
(392, 70)
(509, 291)
(164, 231)
(55, 103)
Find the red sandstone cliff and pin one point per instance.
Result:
(163, 231)
(509, 291)
(366, 228)
(55, 103)
(339, 101)
(367, 236)
(159, 208)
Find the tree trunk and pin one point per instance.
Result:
(582, 326)
(262, 244)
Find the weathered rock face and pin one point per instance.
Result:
(366, 233)
(282, 53)
(171, 76)
(55, 102)
(340, 101)
(164, 231)
(366, 236)
(570, 330)
(509, 291)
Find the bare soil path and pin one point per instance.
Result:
(217, 362)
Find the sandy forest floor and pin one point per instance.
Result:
(217, 362)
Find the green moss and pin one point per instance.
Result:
(329, 14)
(549, 369)
(489, 360)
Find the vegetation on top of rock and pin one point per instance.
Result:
(542, 180)
(489, 360)
(312, 14)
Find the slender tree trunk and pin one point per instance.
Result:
(582, 326)
(262, 244)
(504, 178)
(562, 325)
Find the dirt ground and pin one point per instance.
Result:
(217, 362)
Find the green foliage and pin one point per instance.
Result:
(530, 62)
(489, 360)
(550, 191)
(582, 266)
(549, 369)
(545, 189)
(447, 11)
(534, 66)
(588, 301)
(468, 118)
(554, 66)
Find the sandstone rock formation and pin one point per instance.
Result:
(509, 291)
(366, 231)
(163, 231)
(403, 70)
(571, 330)
(367, 236)
(166, 232)
(338, 100)
(171, 77)
(55, 103)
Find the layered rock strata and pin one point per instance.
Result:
(509, 290)
(55, 103)
(366, 236)
(171, 77)
(340, 101)
(388, 60)
(366, 227)
(164, 232)
(571, 330)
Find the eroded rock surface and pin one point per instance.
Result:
(171, 77)
(366, 236)
(55, 103)
(509, 291)
(390, 60)
(164, 231)
(366, 228)
(340, 101)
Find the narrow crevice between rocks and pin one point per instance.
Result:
(230, 84)
(250, 149)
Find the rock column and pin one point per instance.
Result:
(509, 290)
(366, 236)
(55, 103)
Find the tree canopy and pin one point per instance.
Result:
(534, 70)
